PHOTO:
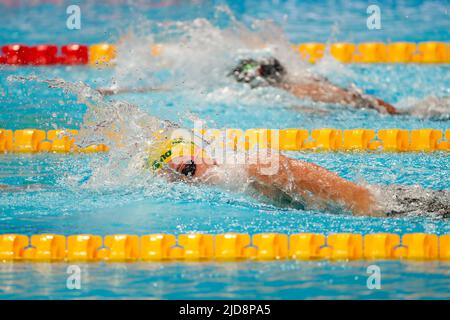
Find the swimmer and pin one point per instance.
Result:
(270, 72)
(295, 183)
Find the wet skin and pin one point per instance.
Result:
(293, 176)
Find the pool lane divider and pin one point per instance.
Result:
(228, 246)
(378, 52)
(33, 141)
(327, 139)
(431, 52)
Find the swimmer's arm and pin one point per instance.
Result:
(325, 91)
(19, 188)
(300, 177)
(113, 91)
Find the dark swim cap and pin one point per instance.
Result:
(268, 71)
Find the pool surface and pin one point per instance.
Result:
(77, 194)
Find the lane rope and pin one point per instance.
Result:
(327, 139)
(228, 246)
(431, 52)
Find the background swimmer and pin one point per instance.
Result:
(270, 72)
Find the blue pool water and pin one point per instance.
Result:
(69, 201)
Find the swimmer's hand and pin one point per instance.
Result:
(388, 107)
(371, 102)
(357, 99)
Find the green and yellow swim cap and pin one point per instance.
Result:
(164, 150)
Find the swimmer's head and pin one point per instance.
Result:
(180, 154)
(268, 71)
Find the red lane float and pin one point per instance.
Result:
(74, 54)
(43, 54)
(18, 54)
(15, 54)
